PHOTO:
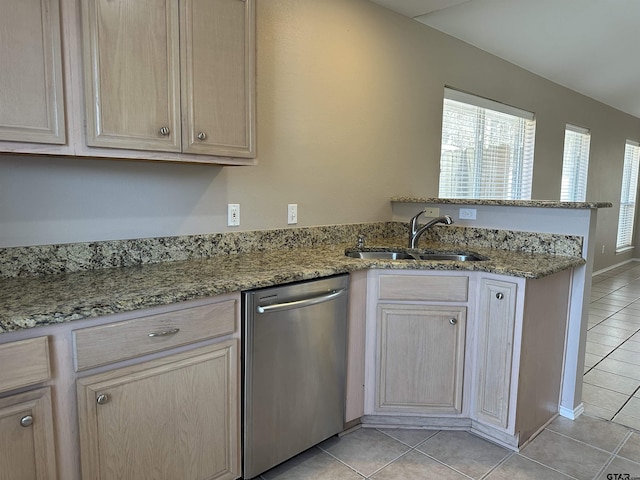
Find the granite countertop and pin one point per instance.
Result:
(502, 203)
(29, 302)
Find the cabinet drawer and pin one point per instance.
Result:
(24, 363)
(426, 288)
(113, 342)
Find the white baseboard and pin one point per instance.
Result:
(615, 266)
(572, 414)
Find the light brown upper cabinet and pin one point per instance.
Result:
(169, 76)
(31, 89)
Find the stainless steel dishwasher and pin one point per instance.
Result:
(294, 361)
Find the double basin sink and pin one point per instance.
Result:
(412, 254)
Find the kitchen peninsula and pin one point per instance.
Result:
(104, 292)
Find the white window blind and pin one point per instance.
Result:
(575, 164)
(487, 149)
(628, 195)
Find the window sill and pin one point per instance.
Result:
(624, 249)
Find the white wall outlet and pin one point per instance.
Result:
(432, 212)
(233, 214)
(292, 213)
(467, 214)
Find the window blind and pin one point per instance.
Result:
(575, 164)
(487, 149)
(628, 195)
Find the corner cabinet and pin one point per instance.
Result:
(170, 76)
(31, 75)
(418, 346)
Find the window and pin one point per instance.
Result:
(486, 150)
(575, 163)
(628, 195)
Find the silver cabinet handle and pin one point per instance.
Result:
(164, 333)
(499, 295)
(26, 421)
(102, 399)
(453, 321)
(165, 131)
(202, 136)
(301, 303)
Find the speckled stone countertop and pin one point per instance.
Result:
(31, 301)
(502, 203)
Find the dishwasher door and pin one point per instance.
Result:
(294, 369)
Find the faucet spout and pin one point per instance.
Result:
(416, 232)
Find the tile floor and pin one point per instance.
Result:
(611, 388)
(601, 443)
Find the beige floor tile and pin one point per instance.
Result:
(603, 398)
(627, 421)
(366, 450)
(620, 466)
(612, 331)
(313, 464)
(598, 433)
(591, 360)
(626, 356)
(632, 408)
(566, 455)
(631, 448)
(598, 412)
(599, 349)
(611, 381)
(518, 467)
(627, 315)
(620, 368)
(631, 346)
(611, 301)
(411, 437)
(415, 465)
(603, 339)
(464, 452)
(621, 323)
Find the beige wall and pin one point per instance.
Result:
(349, 111)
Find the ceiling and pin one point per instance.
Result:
(589, 46)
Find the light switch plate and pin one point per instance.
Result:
(292, 213)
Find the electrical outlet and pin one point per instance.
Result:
(467, 214)
(233, 214)
(432, 212)
(292, 213)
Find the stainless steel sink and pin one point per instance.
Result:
(402, 254)
(380, 255)
(456, 257)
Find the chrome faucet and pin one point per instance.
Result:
(416, 232)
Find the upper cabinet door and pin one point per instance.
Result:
(218, 81)
(31, 91)
(131, 69)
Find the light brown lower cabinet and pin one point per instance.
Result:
(166, 419)
(420, 358)
(27, 449)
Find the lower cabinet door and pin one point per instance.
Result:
(26, 437)
(496, 321)
(173, 418)
(420, 361)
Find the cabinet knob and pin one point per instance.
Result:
(26, 421)
(102, 399)
(165, 131)
(453, 321)
(202, 136)
(499, 295)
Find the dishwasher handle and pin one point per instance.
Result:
(305, 302)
